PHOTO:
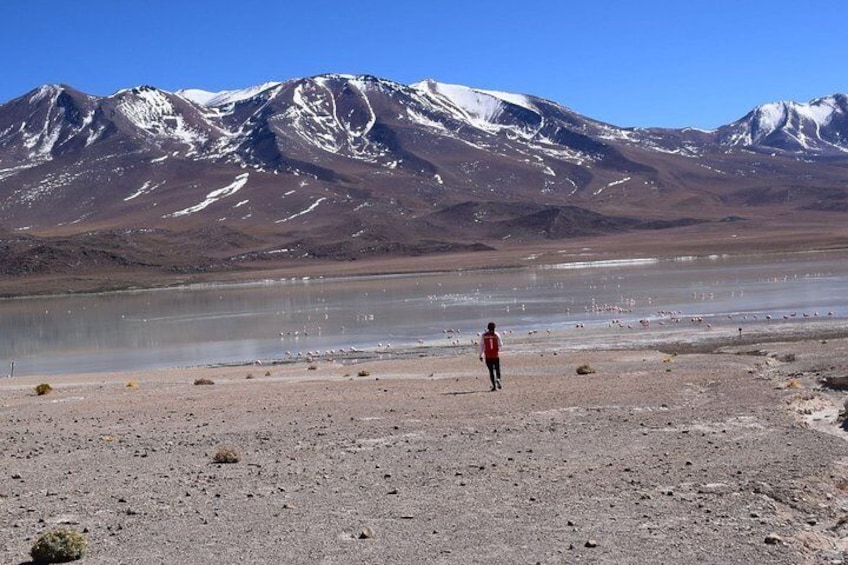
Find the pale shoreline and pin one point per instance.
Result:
(685, 338)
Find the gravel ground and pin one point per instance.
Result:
(727, 454)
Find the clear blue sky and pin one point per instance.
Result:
(669, 63)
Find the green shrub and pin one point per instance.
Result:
(59, 546)
(43, 388)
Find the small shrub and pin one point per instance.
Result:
(59, 546)
(43, 388)
(267, 373)
(226, 455)
(363, 373)
(132, 384)
(204, 381)
(250, 376)
(585, 369)
(312, 368)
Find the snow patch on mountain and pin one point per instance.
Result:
(359, 87)
(148, 186)
(40, 144)
(152, 111)
(213, 197)
(466, 102)
(44, 92)
(420, 119)
(514, 99)
(40, 133)
(315, 118)
(224, 97)
(4, 173)
(611, 184)
(485, 110)
(310, 208)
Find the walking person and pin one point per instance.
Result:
(489, 350)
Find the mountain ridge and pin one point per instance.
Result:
(354, 166)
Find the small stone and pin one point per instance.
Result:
(774, 539)
(64, 519)
(366, 533)
(591, 543)
(714, 488)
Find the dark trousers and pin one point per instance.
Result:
(494, 366)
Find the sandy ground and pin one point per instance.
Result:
(727, 453)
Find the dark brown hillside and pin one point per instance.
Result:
(313, 173)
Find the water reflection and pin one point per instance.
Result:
(218, 324)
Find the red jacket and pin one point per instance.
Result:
(490, 345)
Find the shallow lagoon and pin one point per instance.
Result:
(591, 303)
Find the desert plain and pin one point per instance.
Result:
(716, 450)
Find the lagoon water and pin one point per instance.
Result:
(592, 302)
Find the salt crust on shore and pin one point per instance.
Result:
(674, 454)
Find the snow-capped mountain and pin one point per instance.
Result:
(348, 166)
(820, 126)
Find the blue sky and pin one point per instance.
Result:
(668, 63)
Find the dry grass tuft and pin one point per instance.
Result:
(204, 381)
(226, 455)
(43, 389)
(363, 373)
(585, 369)
(132, 384)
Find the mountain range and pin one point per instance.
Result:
(346, 167)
